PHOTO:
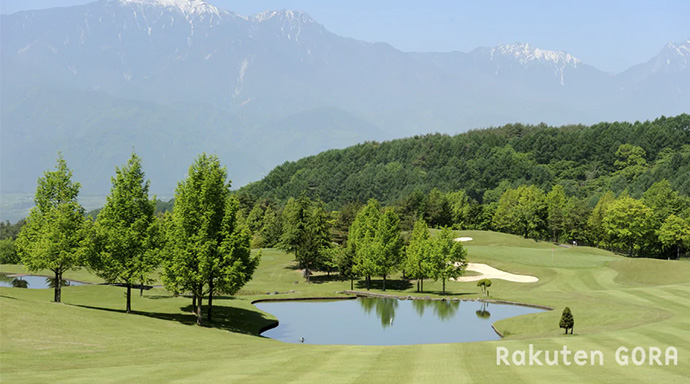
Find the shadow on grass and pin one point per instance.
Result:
(393, 285)
(448, 294)
(320, 279)
(233, 319)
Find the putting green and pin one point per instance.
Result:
(616, 302)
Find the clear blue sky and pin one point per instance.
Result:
(609, 34)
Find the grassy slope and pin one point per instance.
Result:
(616, 302)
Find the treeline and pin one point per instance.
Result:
(200, 245)
(585, 160)
(622, 186)
(655, 225)
(375, 246)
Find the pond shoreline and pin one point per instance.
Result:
(355, 294)
(385, 296)
(10, 274)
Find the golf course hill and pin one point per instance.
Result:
(615, 301)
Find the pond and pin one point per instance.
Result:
(33, 282)
(374, 321)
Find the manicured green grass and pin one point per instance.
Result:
(616, 302)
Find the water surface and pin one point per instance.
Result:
(34, 282)
(373, 321)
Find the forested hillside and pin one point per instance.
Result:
(622, 186)
(586, 160)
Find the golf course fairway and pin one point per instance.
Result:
(616, 302)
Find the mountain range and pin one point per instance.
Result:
(173, 78)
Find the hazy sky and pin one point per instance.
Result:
(609, 34)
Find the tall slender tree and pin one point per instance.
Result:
(595, 223)
(361, 240)
(56, 233)
(127, 238)
(306, 232)
(417, 254)
(448, 258)
(556, 204)
(206, 250)
(388, 244)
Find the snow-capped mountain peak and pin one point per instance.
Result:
(528, 56)
(682, 49)
(673, 57)
(286, 15)
(187, 7)
(525, 53)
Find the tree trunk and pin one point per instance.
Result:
(198, 309)
(210, 302)
(422, 285)
(193, 302)
(129, 297)
(417, 285)
(384, 282)
(57, 296)
(677, 251)
(141, 289)
(444, 286)
(631, 248)
(352, 284)
(366, 280)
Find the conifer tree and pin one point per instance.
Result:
(567, 320)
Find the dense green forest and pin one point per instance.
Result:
(622, 186)
(584, 159)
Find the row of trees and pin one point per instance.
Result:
(374, 245)
(654, 225)
(201, 245)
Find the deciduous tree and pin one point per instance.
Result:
(388, 244)
(56, 233)
(417, 254)
(675, 231)
(447, 257)
(207, 251)
(126, 236)
(556, 203)
(361, 240)
(627, 221)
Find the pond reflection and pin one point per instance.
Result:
(443, 310)
(385, 309)
(374, 321)
(33, 282)
(483, 312)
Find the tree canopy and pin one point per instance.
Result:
(56, 233)
(206, 250)
(127, 236)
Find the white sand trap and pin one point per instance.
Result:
(489, 272)
(463, 239)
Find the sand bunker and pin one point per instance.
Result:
(463, 239)
(489, 272)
